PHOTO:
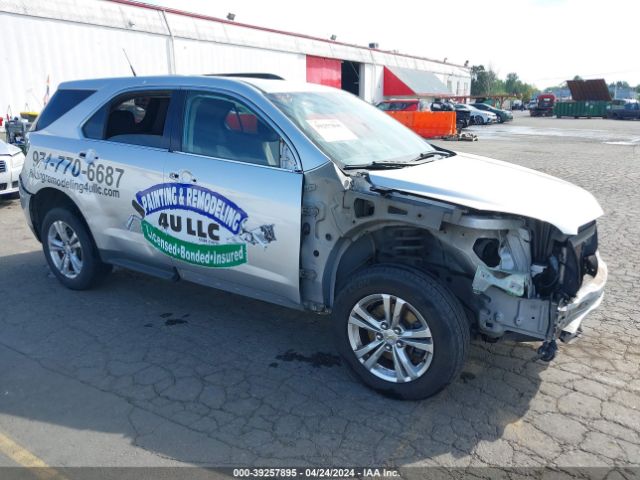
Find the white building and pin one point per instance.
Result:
(63, 40)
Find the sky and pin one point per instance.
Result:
(544, 41)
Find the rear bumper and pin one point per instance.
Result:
(588, 298)
(25, 202)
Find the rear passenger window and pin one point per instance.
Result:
(137, 119)
(219, 127)
(61, 102)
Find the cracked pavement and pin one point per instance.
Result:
(146, 372)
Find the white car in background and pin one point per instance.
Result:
(477, 116)
(11, 161)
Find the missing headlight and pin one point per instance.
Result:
(488, 250)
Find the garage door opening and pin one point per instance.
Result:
(351, 77)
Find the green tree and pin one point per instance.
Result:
(483, 81)
(512, 83)
(478, 80)
(486, 82)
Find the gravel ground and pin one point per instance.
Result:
(146, 372)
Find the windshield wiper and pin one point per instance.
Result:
(429, 154)
(377, 165)
(381, 164)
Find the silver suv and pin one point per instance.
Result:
(308, 197)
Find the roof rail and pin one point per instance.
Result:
(266, 76)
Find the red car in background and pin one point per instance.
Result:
(418, 105)
(403, 105)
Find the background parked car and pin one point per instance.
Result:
(419, 105)
(11, 161)
(502, 115)
(478, 117)
(624, 109)
(403, 105)
(543, 106)
(463, 117)
(532, 104)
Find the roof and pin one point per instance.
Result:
(583, 90)
(179, 29)
(406, 81)
(8, 149)
(272, 30)
(266, 85)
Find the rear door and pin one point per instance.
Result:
(235, 220)
(124, 152)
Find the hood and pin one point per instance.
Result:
(491, 185)
(8, 149)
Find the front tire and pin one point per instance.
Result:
(70, 251)
(401, 331)
(479, 120)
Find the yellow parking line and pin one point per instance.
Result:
(24, 457)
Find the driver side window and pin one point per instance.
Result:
(220, 127)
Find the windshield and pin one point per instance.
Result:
(348, 130)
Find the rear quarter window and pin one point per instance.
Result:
(61, 102)
(135, 118)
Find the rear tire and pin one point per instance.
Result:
(70, 251)
(429, 331)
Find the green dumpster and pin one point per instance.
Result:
(587, 108)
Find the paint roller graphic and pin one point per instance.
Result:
(136, 219)
(262, 235)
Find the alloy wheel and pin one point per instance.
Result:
(390, 338)
(65, 249)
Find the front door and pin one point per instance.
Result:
(235, 215)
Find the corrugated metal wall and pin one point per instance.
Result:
(73, 39)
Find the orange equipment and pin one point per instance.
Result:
(428, 124)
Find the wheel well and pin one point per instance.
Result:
(48, 199)
(409, 247)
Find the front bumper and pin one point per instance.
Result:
(588, 298)
(9, 178)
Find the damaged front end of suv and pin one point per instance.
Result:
(537, 283)
(517, 277)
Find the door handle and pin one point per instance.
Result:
(184, 176)
(90, 155)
